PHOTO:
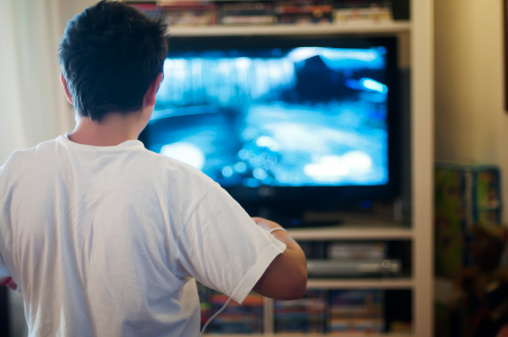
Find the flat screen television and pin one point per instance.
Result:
(284, 123)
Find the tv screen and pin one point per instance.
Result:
(280, 114)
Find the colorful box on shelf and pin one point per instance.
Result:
(465, 196)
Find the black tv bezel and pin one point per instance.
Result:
(311, 197)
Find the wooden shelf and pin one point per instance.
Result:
(383, 28)
(381, 283)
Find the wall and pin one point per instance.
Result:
(69, 8)
(471, 124)
(30, 94)
(32, 104)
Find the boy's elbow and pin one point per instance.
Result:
(299, 287)
(285, 278)
(296, 285)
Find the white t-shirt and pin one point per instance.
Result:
(109, 241)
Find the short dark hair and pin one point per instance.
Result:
(109, 55)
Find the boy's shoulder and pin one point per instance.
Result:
(180, 168)
(56, 153)
(19, 157)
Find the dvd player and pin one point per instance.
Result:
(352, 268)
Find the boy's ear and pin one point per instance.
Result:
(66, 89)
(149, 99)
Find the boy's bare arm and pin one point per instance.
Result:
(286, 277)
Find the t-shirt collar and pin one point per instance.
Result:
(129, 144)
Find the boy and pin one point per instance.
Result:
(104, 237)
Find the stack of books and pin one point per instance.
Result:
(301, 12)
(189, 13)
(259, 13)
(149, 8)
(207, 12)
(204, 303)
(343, 312)
(356, 311)
(362, 11)
(236, 318)
(307, 315)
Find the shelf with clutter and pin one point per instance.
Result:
(306, 16)
(195, 22)
(325, 312)
(471, 250)
(367, 289)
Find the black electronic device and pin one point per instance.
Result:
(286, 123)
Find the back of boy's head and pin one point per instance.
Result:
(109, 55)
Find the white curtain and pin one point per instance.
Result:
(32, 104)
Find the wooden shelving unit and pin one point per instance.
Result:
(418, 48)
(419, 231)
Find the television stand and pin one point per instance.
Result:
(302, 223)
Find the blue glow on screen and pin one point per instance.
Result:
(308, 116)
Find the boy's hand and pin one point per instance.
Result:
(7, 281)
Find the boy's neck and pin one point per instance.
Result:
(112, 130)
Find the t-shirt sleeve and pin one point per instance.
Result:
(222, 248)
